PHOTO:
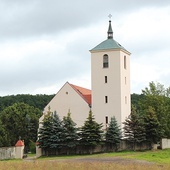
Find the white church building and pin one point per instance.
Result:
(110, 91)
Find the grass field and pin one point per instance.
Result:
(150, 160)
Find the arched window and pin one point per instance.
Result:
(105, 61)
(124, 62)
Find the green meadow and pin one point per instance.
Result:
(152, 160)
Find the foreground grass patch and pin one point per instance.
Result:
(161, 159)
(60, 165)
(158, 156)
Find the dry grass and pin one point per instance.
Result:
(76, 165)
(150, 160)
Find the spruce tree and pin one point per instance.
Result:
(70, 139)
(50, 135)
(91, 133)
(134, 129)
(113, 133)
(45, 133)
(57, 133)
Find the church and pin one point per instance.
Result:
(110, 87)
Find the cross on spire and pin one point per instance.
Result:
(110, 32)
(110, 16)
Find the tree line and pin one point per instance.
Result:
(38, 101)
(56, 134)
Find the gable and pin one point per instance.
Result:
(72, 98)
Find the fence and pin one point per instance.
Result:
(15, 152)
(7, 153)
(165, 143)
(124, 145)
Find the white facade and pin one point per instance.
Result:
(70, 99)
(110, 81)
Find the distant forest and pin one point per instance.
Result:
(37, 101)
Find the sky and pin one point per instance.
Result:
(45, 43)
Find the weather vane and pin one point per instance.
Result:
(110, 16)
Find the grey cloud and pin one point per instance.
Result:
(36, 17)
(36, 71)
(32, 19)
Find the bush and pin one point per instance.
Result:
(32, 147)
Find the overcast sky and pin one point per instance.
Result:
(44, 43)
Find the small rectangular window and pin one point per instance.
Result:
(124, 62)
(106, 99)
(105, 79)
(106, 118)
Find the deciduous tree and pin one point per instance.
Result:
(20, 120)
(157, 97)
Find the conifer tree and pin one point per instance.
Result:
(91, 133)
(134, 129)
(154, 132)
(113, 133)
(70, 132)
(45, 133)
(57, 133)
(50, 135)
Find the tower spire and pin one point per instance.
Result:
(110, 31)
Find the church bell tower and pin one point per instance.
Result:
(110, 77)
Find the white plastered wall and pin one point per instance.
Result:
(116, 88)
(67, 99)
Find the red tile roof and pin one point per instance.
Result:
(19, 143)
(83, 92)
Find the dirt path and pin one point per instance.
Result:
(103, 160)
(117, 160)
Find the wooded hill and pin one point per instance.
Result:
(38, 101)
